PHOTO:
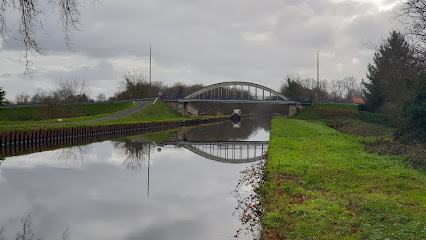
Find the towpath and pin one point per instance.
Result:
(140, 105)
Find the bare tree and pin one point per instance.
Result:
(23, 98)
(26, 232)
(101, 97)
(41, 97)
(413, 16)
(73, 156)
(349, 86)
(2, 96)
(135, 154)
(2, 237)
(133, 86)
(30, 19)
(72, 90)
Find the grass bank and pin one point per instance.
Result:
(68, 113)
(322, 184)
(158, 112)
(379, 136)
(345, 118)
(157, 137)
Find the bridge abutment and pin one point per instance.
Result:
(220, 108)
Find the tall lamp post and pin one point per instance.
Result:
(317, 92)
(150, 94)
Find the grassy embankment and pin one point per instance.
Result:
(68, 113)
(157, 137)
(158, 112)
(322, 184)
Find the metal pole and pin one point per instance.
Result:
(150, 93)
(317, 74)
(149, 160)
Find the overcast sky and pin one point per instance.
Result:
(206, 42)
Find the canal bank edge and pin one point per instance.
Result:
(322, 184)
(70, 132)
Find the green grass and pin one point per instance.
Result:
(345, 119)
(158, 112)
(329, 112)
(64, 120)
(24, 115)
(378, 118)
(157, 137)
(322, 184)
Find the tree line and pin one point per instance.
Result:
(339, 90)
(132, 86)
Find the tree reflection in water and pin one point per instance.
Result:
(25, 231)
(135, 154)
(73, 156)
(248, 208)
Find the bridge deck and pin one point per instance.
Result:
(251, 143)
(232, 101)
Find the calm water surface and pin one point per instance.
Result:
(132, 189)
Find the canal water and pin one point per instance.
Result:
(191, 183)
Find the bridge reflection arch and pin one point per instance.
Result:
(227, 152)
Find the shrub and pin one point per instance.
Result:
(363, 107)
(378, 118)
(414, 113)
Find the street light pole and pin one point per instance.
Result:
(150, 94)
(317, 74)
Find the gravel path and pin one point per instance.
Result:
(141, 105)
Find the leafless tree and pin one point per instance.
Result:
(66, 234)
(22, 98)
(26, 232)
(101, 97)
(72, 90)
(73, 156)
(30, 19)
(413, 16)
(41, 97)
(349, 86)
(2, 237)
(135, 154)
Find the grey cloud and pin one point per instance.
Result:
(208, 38)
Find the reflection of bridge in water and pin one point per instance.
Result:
(227, 151)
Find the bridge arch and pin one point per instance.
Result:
(236, 90)
(228, 152)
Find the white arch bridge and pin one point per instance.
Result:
(228, 151)
(237, 92)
